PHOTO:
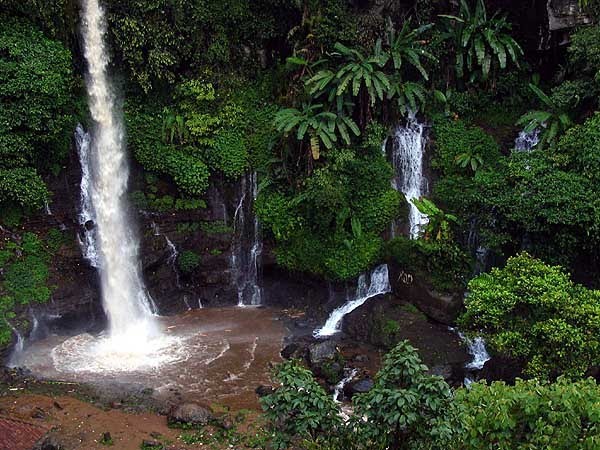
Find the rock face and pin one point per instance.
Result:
(563, 14)
(189, 414)
(443, 308)
(390, 320)
(322, 352)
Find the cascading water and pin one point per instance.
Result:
(407, 159)
(18, 348)
(86, 217)
(527, 140)
(247, 245)
(124, 297)
(379, 283)
(476, 348)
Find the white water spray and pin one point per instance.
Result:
(86, 217)
(527, 140)
(127, 305)
(247, 245)
(379, 283)
(407, 160)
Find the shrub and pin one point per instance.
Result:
(454, 138)
(188, 261)
(530, 415)
(299, 408)
(407, 408)
(533, 312)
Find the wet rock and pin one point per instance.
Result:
(148, 444)
(321, 352)
(89, 225)
(359, 387)
(189, 413)
(444, 371)
(264, 390)
(289, 350)
(443, 308)
(501, 368)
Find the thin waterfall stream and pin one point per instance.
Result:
(247, 245)
(408, 150)
(377, 284)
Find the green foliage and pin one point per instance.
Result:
(454, 139)
(584, 52)
(553, 121)
(533, 312)
(25, 277)
(188, 261)
(299, 408)
(530, 415)
(482, 44)
(36, 115)
(318, 125)
(406, 408)
(441, 263)
(189, 172)
(581, 147)
(438, 225)
(229, 154)
(331, 226)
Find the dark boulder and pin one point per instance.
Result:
(322, 352)
(361, 386)
(189, 414)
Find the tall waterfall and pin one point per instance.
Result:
(407, 160)
(247, 245)
(124, 297)
(378, 283)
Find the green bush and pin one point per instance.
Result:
(229, 154)
(299, 408)
(456, 137)
(36, 117)
(331, 226)
(533, 312)
(530, 415)
(24, 279)
(188, 261)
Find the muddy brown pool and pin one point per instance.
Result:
(211, 355)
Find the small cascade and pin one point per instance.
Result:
(86, 218)
(407, 159)
(172, 261)
(47, 209)
(247, 245)
(476, 348)
(379, 283)
(349, 375)
(527, 140)
(481, 253)
(18, 348)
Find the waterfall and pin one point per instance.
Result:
(527, 140)
(338, 391)
(18, 348)
(47, 209)
(379, 283)
(86, 217)
(247, 245)
(476, 348)
(125, 301)
(172, 261)
(407, 159)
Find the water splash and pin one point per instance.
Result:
(126, 303)
(527, 140)
(247, 245)
(476, 348)
(407, 159)
(379, 283)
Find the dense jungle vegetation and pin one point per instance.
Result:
(304, 92)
